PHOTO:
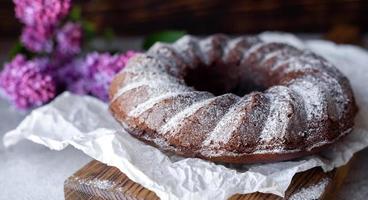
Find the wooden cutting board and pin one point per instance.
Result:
(99, 181)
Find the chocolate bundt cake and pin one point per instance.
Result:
(237, 100)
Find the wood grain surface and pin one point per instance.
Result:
(99, 181)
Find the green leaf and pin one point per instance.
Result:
(168, 36)
(18, 48)
(109, 34)
(75, 13)
(89, 30)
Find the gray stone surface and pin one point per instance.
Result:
(31, 171)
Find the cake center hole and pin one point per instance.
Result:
(221, 79)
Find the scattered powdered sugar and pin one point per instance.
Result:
(211, 152)
(214, 151)
(166, 53)
(317, 93)
(273, 54)
(313, 97)
(337, 94)
(142, 64)
(277, 120)
(151, 102)
(176, 119)
(253, 49)
(188, 49)
(238, 45)
(283, 61)
(305, 60)
(232, 44)
(282, 38)
(164, 145)
(96, 183)
(185, 41)
(158, 86)
(312, 192)
(205, 46)
(223, 131)
(159, 81)
(127, 88)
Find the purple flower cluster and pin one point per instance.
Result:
(69, 40)
(37, 38)
(40, 18)
(41, 12)
(93, 74)
(33, 82)
(27, 82)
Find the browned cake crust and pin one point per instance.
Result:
(237, 100)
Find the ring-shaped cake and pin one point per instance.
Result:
(239, 100)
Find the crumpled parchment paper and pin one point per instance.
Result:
(85, 123)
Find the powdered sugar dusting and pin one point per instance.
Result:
(302, 62)
(143, 64)
(165, 55)
(283, 61)
(312, 192)
(232, 44)
(156, 78)
(205, 46)
(188, 49)
(273, 54)
(313, 96)
(212, 152)
(235, 48)
(151, 102)
(253, 49)
(176, 119)
(222, 133)
(96, 183)
(277, 120)
(337, 95)
(315, 93)
(153, 84)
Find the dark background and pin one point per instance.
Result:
(343, 21)
(200, 16)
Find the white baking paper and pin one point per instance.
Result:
(85, 123)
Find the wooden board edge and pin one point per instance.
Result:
(76, 188)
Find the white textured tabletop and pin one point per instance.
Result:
(31, 171)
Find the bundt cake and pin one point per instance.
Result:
(239, 100)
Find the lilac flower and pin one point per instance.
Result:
(37, 38)
(101, 70)
(69, 39)
(40, 18)
(27, 83)
(41, 12)
(93, 74)
(70, 76)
